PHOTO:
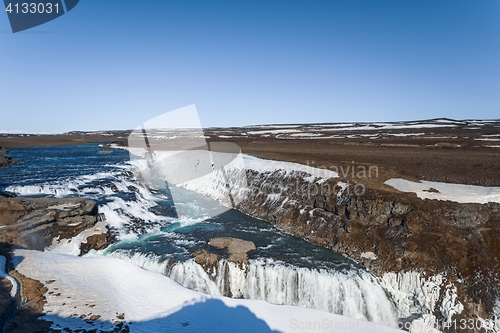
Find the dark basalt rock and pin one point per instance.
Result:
(7, 194)
(403, 231)
(5, 160)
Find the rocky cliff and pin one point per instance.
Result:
(390, 232)
(434, 257)
(34, 222)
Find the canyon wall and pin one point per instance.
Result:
(434, 257)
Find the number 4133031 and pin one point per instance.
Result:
(32, 8)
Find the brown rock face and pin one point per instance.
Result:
(5, 160)
(33, 292)
(404, 232)
(33, 223)
(96, 242)
(31, 307)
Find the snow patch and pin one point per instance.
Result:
(369, 255)
(65, 207)
(487, 139)
(273, 131)
(446, 191)
(305, 134)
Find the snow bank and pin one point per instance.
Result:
(263, 165)
(273, 131)
(148, 302)
(305, 134)
(163, 160)
(445, 191)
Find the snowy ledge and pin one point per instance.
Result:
(445, 191)
(165, 158)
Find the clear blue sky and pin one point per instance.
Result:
(113, 64)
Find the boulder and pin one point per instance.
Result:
(237, 248)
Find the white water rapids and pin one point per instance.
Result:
(356, 295)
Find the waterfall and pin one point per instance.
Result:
(355, 294)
